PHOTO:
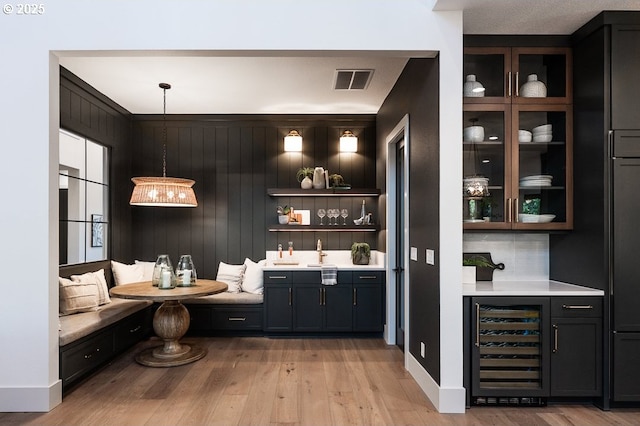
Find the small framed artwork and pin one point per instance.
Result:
(96, 230)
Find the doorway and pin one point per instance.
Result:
(398, 268)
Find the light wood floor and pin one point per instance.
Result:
(263, 381)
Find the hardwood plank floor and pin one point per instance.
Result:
(288, 381)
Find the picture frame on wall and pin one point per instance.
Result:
(96, 230)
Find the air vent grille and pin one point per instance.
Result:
(352, 79)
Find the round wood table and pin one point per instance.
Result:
(170, 321)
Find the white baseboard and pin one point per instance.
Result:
(31, 399)
(446, 400)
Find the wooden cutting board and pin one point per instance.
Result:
(484, 273)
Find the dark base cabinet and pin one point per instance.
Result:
(79, 358)
(523, 350)
(626, 358)
(296, 301)
(223, 317)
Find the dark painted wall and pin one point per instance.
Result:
(234, 159)
(416, 93)
(87, 112)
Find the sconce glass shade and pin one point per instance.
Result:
(163, 192)
(348, 142)
(293, 142)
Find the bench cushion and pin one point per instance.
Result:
(226, 298)
(74, 327)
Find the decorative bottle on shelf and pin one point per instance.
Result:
(533, 88)
(472, 88)
(186, 271)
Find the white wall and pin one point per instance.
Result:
(29, 107)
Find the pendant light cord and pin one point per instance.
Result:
(164, 87)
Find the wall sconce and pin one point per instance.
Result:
(293, 142)
(348, 142)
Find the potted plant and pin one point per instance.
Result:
(360, 253)
(304, 176)
(283, 214)
(469, 268)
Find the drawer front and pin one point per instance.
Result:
(576, 307)
(307, 277)
(237, 319)
(364, 277)
(278, 277)
(84, 356)
(131, 330)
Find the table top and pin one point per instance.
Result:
(145, 291)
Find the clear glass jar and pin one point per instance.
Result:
(163, 275)
(185, 271)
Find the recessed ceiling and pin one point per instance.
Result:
(302, 82)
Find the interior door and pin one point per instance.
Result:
(400, 241)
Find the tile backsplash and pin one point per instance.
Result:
(525, 256)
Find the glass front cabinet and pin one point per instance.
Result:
(517, 139)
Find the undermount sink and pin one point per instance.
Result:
(318, 265)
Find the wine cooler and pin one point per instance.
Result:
(509, 345)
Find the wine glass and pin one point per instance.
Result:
(336, 214)
(321, 214)
(344, 213)
(330, 215)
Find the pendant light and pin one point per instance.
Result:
(163, 191)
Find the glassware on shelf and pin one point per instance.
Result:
(344, 213)
(321, 214)
(185, 271)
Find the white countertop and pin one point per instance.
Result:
(527, 288)
(307, 260)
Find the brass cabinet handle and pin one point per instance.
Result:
(509, 87)
(355, 296)
(517, 84)
(555, 339)
(509, 208)
(367, 277)
(321, 296)
(135, 329)
(477, 325)
(517, 218)
(277, 277)
(237, 319)
(290, 296)
(577, 306)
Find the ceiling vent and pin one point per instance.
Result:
(352, 79)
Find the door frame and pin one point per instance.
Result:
(400, 132)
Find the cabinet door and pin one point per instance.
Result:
(625, 90)
(337, 307)
(368, 307)
(491, 67)
(626, 367)
(278, 299)
(547, 66)
(576, 357)
(541, 170)
(487, 157)
(307, 311)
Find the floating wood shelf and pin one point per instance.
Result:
(333, 192)
(325, 228)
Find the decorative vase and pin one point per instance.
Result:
(533, 88)
(472, 88)
(306, 183)
(318, 178)
(163, 275)
(185, 271)
(468, 274)
(283, 219)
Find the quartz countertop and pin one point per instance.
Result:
(307, 260)
(527, 288)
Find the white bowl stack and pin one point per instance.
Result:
(524, 136)
(535, 180)
(542, 133)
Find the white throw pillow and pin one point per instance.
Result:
(252, 281)
(148, 269)
(98, 279)
(231, 275)
(77, 297)
(126, 274)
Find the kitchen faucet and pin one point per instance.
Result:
(320, 253)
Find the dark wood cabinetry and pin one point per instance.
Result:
(296, 301)
(576, 346)
(512, 163)
(533, 347)
(625, 66)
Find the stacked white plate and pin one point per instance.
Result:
(542, 133)
(535, 180)
(535, 218)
